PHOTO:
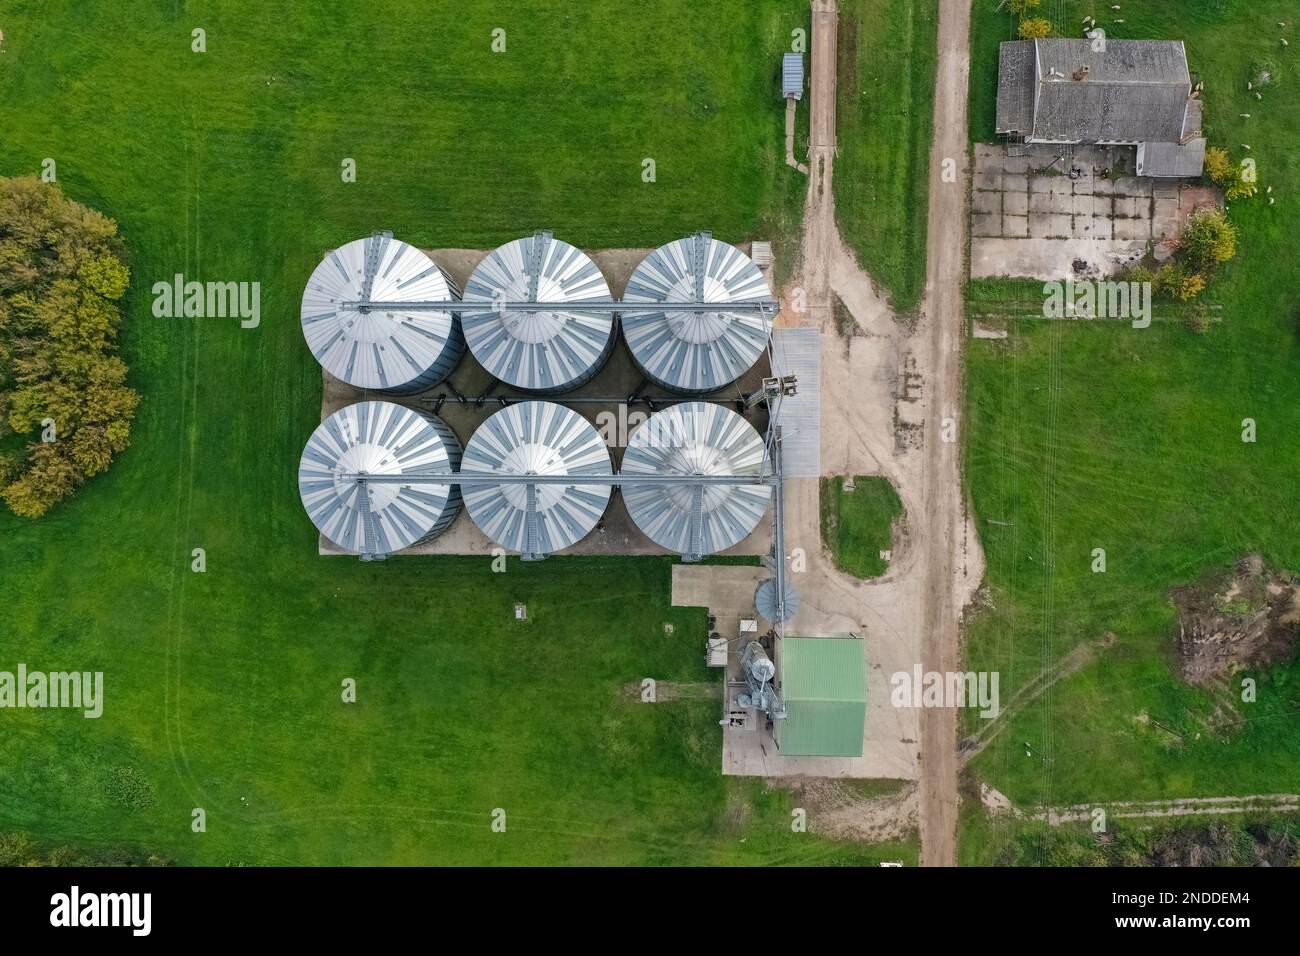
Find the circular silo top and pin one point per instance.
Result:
(536, 438)
(377, 439)
(695, 438)
(696, 352)
(377, 348)
(546, 349)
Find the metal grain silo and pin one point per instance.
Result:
(695, 353)
(547, 351)
(346, 477)
(536, 438)
(387, 348)
(695, 438)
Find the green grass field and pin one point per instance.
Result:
(857, 525)
(883, 114)
(1083, 436)
(225, 685)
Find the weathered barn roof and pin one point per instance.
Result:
(1065, 91)
(1171, 159)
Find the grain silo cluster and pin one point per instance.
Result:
(537, 317)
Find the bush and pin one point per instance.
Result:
(1239, 189)
(1208, 239)
(1138, 273)
(1035, 28)
(1022, 6)
(1219, 166)
(18, 849)
(61, 274)
(1198, 319)
(1174, 281)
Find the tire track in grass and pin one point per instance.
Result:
(173, 731)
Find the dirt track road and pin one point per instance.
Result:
(913, 612)
(943, 328)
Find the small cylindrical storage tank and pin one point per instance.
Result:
(695, 353)
(549, 351)
(388, 349)
(382, 439)
(695, 438)
(536, 438)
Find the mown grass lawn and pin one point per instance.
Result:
(857, 525)
(1083, 436)
(887, 65)
(225, 166)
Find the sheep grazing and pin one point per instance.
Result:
(1244, 115)
(1258, 96)
(1284, 43)
(1245, 146)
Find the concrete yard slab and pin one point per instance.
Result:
(1015, 227)
(986, 202)
(1083, 204)
(1050, 226)
(1133, 186)
(985, 224)
(1015, 183)
(1099, 227)
(1101, 206)
(988, 178)
(1132, 228)
(1086, 227)
(1049, 258)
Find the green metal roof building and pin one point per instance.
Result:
(824, 685)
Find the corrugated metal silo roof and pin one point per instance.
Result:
(544, 351)
(792, 75)
(378, 438)
(695, 438)
(384, 349)
(536, 438)
(696, 352)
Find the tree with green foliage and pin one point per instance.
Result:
(1021, 7)
(1035, 28)
(61, 380)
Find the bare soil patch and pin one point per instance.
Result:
(840, 809)
(1248, 619)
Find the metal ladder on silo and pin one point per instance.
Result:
(697, 524)
(374, 253)
(371, 551)
(541, 239)
(702, 240)
(532, 533)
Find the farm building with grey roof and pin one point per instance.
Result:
(1116, 93)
